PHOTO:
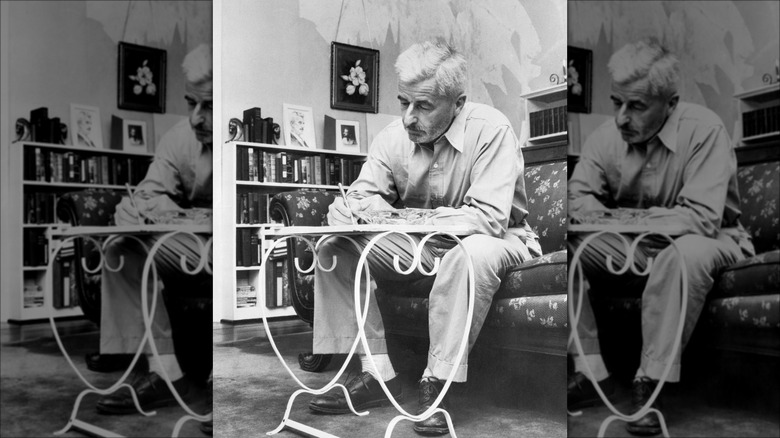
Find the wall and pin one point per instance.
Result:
(65, 52)
(724, 47)
(278, 51)
(55, 53)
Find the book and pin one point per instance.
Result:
(252, 121)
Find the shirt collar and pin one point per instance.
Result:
(456, 133)
(668, 133)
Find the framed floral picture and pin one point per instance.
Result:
(141, 74)
(354, 78)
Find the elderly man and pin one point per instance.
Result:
(462, 161)
(179, 178)
(674, 160)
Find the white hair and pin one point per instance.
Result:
(646, 59)
(197, 65)
(437, 60)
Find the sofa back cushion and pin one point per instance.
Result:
(759, 190)
(545, 187)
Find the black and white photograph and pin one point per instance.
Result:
(85, 331)
(668, 192)
(85, 126)
(537, 219)
(348, 136)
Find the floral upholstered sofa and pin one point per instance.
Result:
(529, 310)
(742, 312)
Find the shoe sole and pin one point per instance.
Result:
(364, 406)
(433, 431)
(643, 431)
(132, 410)
(590, 403)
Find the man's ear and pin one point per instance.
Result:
(672, 104)
(459, 103)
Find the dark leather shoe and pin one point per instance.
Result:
(581, 393)
(436, 424)
(108, 363)
(364, 392)
(641, 391)
(152, 392)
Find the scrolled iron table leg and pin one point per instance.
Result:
(287, 422)
(575, 312)
(361, 317)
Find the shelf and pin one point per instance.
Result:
(761, 137)
(761, 94)
(549, 138)
(33, 268)
(547, 95)
(96, 151)
(286, 185)
(72, 185)
(40, 225)
(299, 149)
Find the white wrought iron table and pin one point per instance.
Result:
(637, 233)
(62, 236)
(377, 233)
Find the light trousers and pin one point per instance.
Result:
(121, 318)
(661, 298)
(335, 325)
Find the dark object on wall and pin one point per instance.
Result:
(580, 79)
(142, 73)
(354, 78)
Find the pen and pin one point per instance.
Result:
(344, 195)
(132, 201)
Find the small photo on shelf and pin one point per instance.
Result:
(85, 126)
(299, 126)
(134, 137)
(347, 136)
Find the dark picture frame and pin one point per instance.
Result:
(579, 79)
(137, 90)
(348, 89)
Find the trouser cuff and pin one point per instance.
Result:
(130, 345)
(654, 369)
(441, 369)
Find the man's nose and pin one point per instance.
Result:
(196, 117)
(409, 117)
(622, 117)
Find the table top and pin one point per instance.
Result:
(68, 231)
(458, 230)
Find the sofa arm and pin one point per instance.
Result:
(300, 208)
(93, 207)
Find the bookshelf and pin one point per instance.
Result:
(759, 115)
(547, 119)
(38, 173)
(243, 286)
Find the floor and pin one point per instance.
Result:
(38, 388)
(507, 395)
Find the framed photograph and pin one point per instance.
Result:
(85, 126)
(354, 78)
(347, 136)
(134, 137)
(579, 79)
(299, 126)
(141, 78)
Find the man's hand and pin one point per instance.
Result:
(338, 212)
(373, 203)
(126, 213)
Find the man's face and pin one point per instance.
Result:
(426, 114)
(297, 124)
(199, 99)
(639, 115)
